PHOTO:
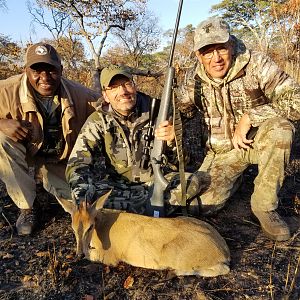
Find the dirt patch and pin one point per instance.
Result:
(43, 266)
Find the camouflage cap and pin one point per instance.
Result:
(42, 53)
(108, 73)
(213, 30)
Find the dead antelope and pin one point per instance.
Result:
(185, 245)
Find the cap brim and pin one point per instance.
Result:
(46, 61)
(113, 74)
(211, 41)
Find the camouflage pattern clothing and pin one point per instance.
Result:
(107, 156)
(254, 85)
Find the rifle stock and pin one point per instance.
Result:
(160, 183)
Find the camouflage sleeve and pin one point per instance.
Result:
(85, 157)
(281, 89)
(185, 94)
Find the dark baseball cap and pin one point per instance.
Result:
(108, 73)
(42, 53)
(214, 30)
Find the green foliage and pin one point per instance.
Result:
(10, 57)
(236, 10)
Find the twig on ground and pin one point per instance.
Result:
(292, 285)
(271, 286)
(250, 222)
(234, 290)
(288, 247)
(287, 275)
(10, 226)
(251, 249)
(295, 235)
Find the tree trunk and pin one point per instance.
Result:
(96, 80)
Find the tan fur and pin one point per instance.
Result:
(185, 245)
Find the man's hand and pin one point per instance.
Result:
(14, 129)
(239, 139)
(165, 131)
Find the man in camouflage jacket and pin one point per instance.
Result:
(239, 92)
(109, 149)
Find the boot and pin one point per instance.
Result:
(26, 222)
(273, 225)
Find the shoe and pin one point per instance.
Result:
(273, 225)
(26, 222)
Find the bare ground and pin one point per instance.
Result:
(43, 266)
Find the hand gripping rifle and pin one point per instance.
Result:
(160, 182)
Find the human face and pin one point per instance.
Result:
(121, 94)
(216, 59)
(44, 78)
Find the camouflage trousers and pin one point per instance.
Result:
(18, 172)
(270, 151)
(135, 197)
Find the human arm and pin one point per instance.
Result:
(240, 139)
(276, 94)
(281, 91)
(14, 129)
(84, 159)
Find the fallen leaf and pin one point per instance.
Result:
(64, 265)
(128, 283)
(42, 253)
(88, 297)
(30, 281)
(68, 272)
(26, 278)
(8, 256)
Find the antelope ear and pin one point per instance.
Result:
(100, 202)
(67, 205)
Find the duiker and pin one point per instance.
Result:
(185, 245)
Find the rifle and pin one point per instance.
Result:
(160, 182)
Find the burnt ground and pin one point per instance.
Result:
(43, 266)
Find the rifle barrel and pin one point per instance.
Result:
(175, 34)
(160, 182)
